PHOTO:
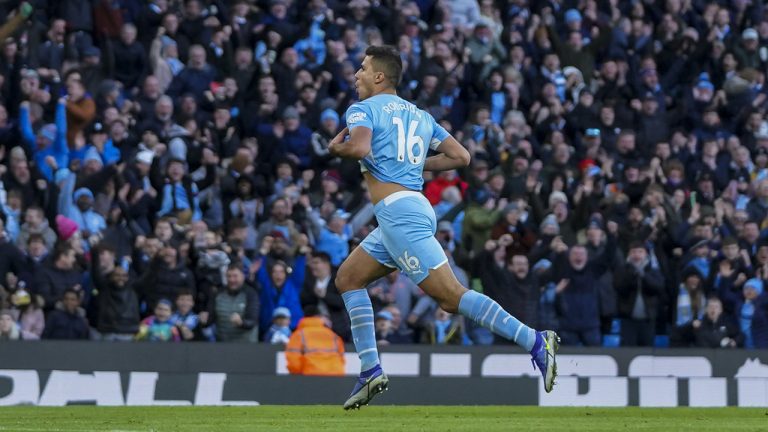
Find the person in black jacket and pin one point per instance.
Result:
(320, 291)
(165, 278)
(57, 276)
(129, 58)
(508, 281)
(67, 323)
(638, 285)
(118, 315)
(578, 280)
(715, 331)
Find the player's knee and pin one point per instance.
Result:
(449, 305)
(449, 302)
(343, 282)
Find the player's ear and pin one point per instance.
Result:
(379, 77)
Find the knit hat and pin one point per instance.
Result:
(281, 311)
(329, 114)
(83, 192)
(572, 15)
(754, 283)
(550, 220)
(385, 315)
(556, 196)
(750, 34)
(92, 155)
(65, 227)
(332, 175)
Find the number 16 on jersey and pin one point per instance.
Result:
(409, 141)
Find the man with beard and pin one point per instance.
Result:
(236, 309)
(162, 120)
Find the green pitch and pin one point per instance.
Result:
(376, 418)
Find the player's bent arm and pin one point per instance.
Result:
(452, 155)
(357, 147)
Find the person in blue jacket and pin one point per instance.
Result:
(51, 139)
(281, 286)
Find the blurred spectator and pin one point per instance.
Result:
(750, 309)
(185, 319)
(507, 280)
(58, 275)
(118, 303)
(281, 285)
(320, 291)
(638, 286)
(384, 327)
(10, 330)
(35, 223)
(67, 322)
(236, 311)
(690, 304)
(445, 329)
(715, 331)
(577, 289)
(27, 313)
(166, 276)
(314, 349)
(279, 332)
(159, 327)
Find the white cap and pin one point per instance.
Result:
(749, 33)
(145, 156)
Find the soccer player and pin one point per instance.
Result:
(391, 136)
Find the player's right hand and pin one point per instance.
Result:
(338, 140)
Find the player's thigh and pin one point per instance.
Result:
(366, 263)
(423, 260)
(441, 284)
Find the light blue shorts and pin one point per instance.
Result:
(405, 238)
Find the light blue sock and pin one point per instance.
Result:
(363, 332)
(483, 310)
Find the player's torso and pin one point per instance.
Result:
(400, 141)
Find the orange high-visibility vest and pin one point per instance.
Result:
(314, 349)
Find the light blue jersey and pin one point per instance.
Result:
(401, 134)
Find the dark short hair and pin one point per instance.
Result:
(35, 237)
(386, 59)
(322, 256)
(185, 292)
(61, 250)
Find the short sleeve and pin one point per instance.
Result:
(439, 134)
(359, 115)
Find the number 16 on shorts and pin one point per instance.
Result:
(410, 264)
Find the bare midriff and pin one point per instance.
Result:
(380, 190)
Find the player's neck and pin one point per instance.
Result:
(389, 91)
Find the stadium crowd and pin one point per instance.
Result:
(165, 173)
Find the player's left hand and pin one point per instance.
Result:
(337, 140)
